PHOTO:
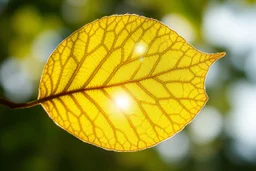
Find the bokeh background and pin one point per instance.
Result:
(223, 135)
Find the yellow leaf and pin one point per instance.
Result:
(124, 83)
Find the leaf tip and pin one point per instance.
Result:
(216, 56)
(219, 55)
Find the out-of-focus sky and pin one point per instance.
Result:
(222, 136)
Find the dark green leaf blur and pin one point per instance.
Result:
(222, 136)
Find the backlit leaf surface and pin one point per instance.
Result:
(124, 83)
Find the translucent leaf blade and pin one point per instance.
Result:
(124, 83)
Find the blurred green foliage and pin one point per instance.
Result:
(29, 140)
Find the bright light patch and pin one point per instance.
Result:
(181, 25)
(122, 101)
(203, 120)
(140, 48)
(175, 150)
(240, 123)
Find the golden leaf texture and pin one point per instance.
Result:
(124, 83)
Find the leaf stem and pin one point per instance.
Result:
(13, 105)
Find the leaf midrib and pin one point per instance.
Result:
(44, 99)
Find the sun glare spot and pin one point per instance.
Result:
(140, 48)
(122, 101)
